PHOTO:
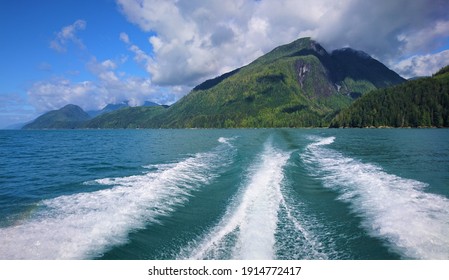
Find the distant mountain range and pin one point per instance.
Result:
(114, 107)
(295, 85)
(108, 108)
(72, 116)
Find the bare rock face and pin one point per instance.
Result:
(302, 69)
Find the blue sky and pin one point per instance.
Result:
(91, 53)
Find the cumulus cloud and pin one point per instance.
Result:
(140, 56)
(427, 38)
(199, 39)
(193, 40)
(422, 65)
(49, 95)
(108, 87)
(68, 35)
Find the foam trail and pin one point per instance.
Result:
(296, 240)
(415, 223)
(247, 231)
(84, 225)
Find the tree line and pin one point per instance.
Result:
(419, 103)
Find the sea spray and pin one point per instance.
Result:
(298, 236)
(247, 230)
(83, 225)
(413, 222)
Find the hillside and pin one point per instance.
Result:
(70, 116)
(418, 103)
(108, 108)
(295, 85)
(128, 117)
(117, 106)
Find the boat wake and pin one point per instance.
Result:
(84, 225)
(248, 227)
(259, 223)
(413, 222)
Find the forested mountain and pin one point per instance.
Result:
(418, 103)
(295, 85)
(108, 108)
(70, 116)
(117, 106)
(129, 117)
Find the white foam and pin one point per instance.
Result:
(247, 231)
(83, 225)
(323, 141)
(301, 243)
(415, 223)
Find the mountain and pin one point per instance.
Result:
(114, 107)
(295, 85)
(70, 116)
(150, 104)
(16, 126)
(108, 108)
(356, 65)
(128, 117)
(417, 103)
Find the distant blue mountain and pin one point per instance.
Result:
(108, 108)
(149, 104)
(114, 107)
(70, 116)
(15, 126)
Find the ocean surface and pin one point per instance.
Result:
(225, 194)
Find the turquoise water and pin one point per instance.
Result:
(224, 194)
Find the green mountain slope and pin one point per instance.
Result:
(129, 117)
(418, 103)
(70, 116)
(294, 85)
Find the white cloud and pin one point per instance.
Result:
(193, 40)
(422, 65)
(68, 35)
(124, 37)
(49, 95)
(426, 38)
(109, 87)
(198, 39)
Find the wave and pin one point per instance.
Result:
(247, 230)
(84, 225)
(413, 222)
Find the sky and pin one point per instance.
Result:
(94, 53)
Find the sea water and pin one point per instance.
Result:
(225, 194)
